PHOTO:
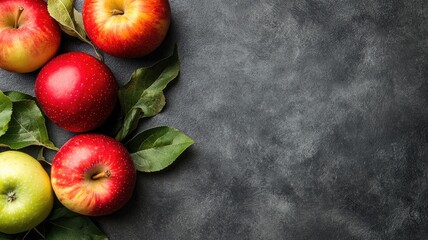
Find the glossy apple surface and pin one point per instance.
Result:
(93, 174)
(127, 28)
(29, 37)
(76, 91)
(26, 196)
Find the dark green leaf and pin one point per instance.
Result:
(5, 112)
(27, 125)
(68, 225)
(61, 212)
(157, 148)
(6, 236)
(41, 156)
(143, 95)
(130, 122)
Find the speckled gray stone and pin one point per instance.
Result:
(310, 120)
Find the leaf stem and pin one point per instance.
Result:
(97, 52)
(18, 16)
(38, 232)
(26, 234)
(45, 161)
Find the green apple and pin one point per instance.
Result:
(26, 196)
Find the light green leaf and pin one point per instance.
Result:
(143, 95)
(68, 225)
(70, 20)
(65, 14)
(151, 102)
(27, 125)
(78, 20)
(16, 96)
(5, 112)
(157, 148)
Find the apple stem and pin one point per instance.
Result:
(104, 174)
(117, 12)
(18, 16)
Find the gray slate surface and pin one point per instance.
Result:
(310, 117)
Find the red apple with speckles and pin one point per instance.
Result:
(127, 29)
(76, 91)
(93, 174)
(29, 36)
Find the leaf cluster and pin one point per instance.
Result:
(23, 124)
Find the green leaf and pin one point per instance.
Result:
(70, 20)
(41, 157)
(16, 96)
(65, 14)
(68, 225)
(5, 113)
(4, 236)
(27, 125)
(78, 20)
(157, 148)
(143, 95)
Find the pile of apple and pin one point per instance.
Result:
(91, 174)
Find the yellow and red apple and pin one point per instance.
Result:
(93, 174)
(126, 28)
(29, 37)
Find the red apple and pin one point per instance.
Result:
(76, 91)
(29, 37)
(93, 174)
(127, 29)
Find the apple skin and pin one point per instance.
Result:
(79, 160)
(26, 196)
(33, 42)
(76, 91)
(126, 29)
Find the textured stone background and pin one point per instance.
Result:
(310, 117)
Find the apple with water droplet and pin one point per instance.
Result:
(93, 174)
(26, 196)
(29, 36)
(76, 91)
